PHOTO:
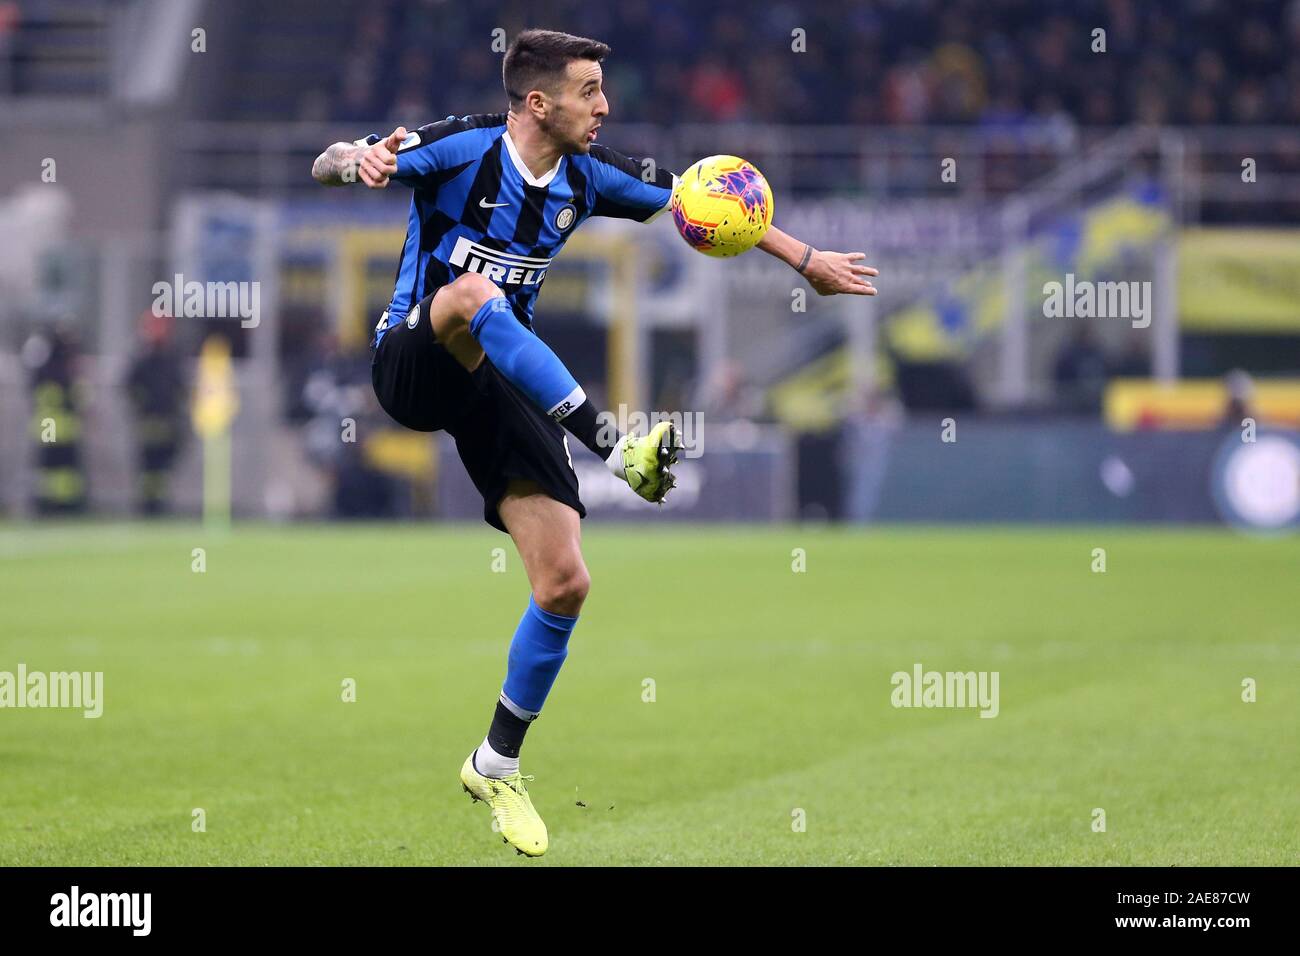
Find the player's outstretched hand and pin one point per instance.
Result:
(830, 273)
(378, 162)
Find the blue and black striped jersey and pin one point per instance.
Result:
(475, 207)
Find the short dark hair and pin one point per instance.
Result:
(537, 59)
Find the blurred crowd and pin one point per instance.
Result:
(983, 62)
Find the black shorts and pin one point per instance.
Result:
(500, 435)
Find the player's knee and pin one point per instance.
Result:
(457, 302)
(469, 292)
(564, 590)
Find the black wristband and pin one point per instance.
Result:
(803, 262)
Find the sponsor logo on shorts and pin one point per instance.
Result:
(503, 268)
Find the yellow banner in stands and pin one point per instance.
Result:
(1195, 404)
(1239, 280)
(215, 400)
(215, 403)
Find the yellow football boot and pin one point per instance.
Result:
(517, 820)
(644, 461)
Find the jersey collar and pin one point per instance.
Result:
(522, 169)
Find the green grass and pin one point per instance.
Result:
(222, 691)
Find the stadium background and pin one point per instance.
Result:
(974, 150)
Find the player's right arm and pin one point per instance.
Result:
(369, 163)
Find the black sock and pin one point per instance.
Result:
(506, 735)
(584, 424)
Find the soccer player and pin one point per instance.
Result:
(494, 198)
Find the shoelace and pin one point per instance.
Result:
(510, 782)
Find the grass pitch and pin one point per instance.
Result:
(223, 691)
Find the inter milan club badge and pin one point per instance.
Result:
(564, 218)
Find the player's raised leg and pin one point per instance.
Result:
(547, 535)
(471, 317)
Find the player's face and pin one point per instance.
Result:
(578, 107)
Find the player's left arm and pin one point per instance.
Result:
(638, 189)
(828, 273)
(626, 187)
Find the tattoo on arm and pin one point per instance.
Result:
(337, 166)
(803, 261)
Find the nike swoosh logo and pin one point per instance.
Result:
(491, 205)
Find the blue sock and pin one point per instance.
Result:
(525, 360)
(540, 645)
